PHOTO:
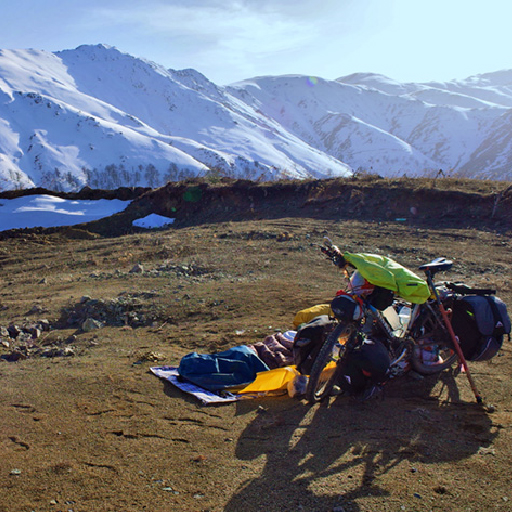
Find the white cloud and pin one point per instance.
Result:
(250, 37)
(211, 21)
(230, 40)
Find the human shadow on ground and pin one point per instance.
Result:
(332, 455)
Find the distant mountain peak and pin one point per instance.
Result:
(496, 78)
(95, 116)
(362, 77)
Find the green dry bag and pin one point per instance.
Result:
(385, 272)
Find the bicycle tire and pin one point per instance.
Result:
(447, 357)
(325, 369)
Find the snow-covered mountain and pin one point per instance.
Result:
(99, 117)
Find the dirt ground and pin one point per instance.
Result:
(97, 431)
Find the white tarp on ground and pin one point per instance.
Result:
(46, 211)
(206, 397)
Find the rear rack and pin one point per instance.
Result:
(464, 289)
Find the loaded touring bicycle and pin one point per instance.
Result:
(425, 326)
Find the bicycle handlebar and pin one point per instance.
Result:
(332, 252)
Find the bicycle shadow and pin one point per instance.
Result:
(327, 456)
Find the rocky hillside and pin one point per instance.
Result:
(414, 202)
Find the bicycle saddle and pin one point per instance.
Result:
(437, 265)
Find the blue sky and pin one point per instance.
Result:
(229, 40)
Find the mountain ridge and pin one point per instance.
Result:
(98, 117)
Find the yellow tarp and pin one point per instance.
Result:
(271, 381)
(276, 381)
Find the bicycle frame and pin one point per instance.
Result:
(439, 264)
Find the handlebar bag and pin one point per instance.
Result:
(381, 298)
(480, 322)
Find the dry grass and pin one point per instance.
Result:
(98, 432)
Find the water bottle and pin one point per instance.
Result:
(405, 316)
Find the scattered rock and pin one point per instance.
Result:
(36, 309)
(90, 325)
(14, 330)
(44, 325)
(137, 269)
(150, 356)
(25, 341)
(125, 310)
(128, 311)
(58, 352)
(33, 330)
(14, 356)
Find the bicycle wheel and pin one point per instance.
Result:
(325, 370)
(433, 357)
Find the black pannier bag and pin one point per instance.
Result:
(480, 322)
(309, 340)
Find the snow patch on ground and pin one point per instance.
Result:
(51, 211)
(153, 221)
